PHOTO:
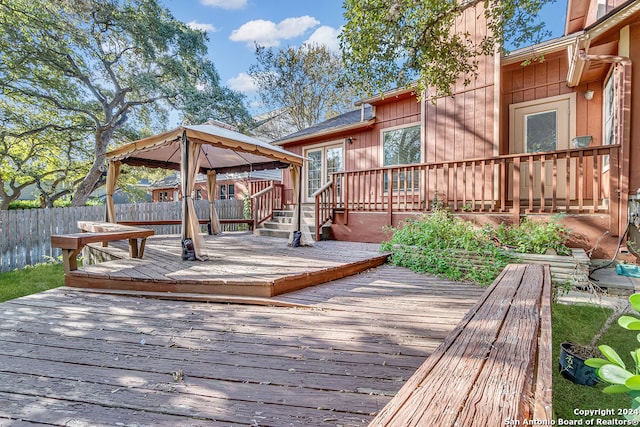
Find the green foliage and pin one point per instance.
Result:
(98, 72)
(303, 82)
(534, 237)
(578, 324)
(391, 43)
(30, 280)
(447, 246)
(614, 371)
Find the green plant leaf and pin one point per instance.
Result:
(611, 354)
(633, 382)
(629, 322)
(596, 362)
(614, 374)
(635, 301)
(615, 389)
(635, 355)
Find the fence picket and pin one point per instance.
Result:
(25, 235)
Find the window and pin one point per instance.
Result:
(402, 147)
(198, 194)
(322, 162)
(541, 131)
(231, 191)
(223, 192)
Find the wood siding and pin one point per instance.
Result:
(634, 145)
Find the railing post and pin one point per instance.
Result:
(516, 191)
(614, 192)
(255, 203)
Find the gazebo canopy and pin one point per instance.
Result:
(206, 149)
(224, 151)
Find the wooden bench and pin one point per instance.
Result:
(98, 232)
(494, 368)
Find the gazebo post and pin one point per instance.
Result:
(184, 172)
(113, 171)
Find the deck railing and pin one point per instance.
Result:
(325, 201)
(265, 201)
(571, 181)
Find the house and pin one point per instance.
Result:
(228, 186)
(554, 136)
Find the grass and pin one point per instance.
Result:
(30, 280)
(579, 324)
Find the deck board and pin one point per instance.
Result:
(238, 264)
(77, 357)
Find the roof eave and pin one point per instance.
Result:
(541, 49)
(390, 94)
(326, 132)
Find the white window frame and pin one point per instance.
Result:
(416, 182)
(323, 146)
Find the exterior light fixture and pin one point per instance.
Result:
(588, 95)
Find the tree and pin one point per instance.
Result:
(108, 63)
(303, 83)
(392, 43)
(39, 147)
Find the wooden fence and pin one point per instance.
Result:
(25, 235)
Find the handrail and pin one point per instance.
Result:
(572, 152)
(325, 203)
(260, 193)
(575, 180)
(322, 189)
(265, 201)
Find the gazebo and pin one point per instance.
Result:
(201, 149)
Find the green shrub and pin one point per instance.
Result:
(534, 237)
(447, 246)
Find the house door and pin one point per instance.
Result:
(543, 126)
(322, 162)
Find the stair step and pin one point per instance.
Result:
(273, 232)
(276, 225)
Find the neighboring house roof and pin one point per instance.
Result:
(173, 181)
(272, 125)
(360, 117)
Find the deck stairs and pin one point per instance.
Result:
(280, 224)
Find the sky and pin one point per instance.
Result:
(234, 26)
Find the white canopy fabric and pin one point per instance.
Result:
(224, 151)
(206, 149)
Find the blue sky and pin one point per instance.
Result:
(234, 25)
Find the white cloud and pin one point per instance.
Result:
(269, 34)
(242, 83)
(207, 28)
(225, 4)
(327, 36)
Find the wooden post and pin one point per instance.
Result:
(516, 191)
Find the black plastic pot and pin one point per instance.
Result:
(573, 368)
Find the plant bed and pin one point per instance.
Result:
(445, 245)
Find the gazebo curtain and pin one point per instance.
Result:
(211, 190)
(305, 239)
(189, 172)
(113, 171)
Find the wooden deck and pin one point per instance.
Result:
(76, 357)
(239, 264)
